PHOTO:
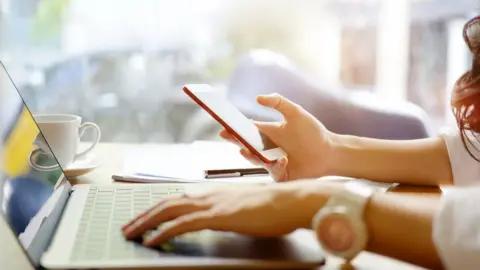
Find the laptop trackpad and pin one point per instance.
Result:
(300, 244)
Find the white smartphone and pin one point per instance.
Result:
(234, 122)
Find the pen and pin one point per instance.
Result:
(234, 172)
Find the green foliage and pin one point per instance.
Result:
(48, 21)
(219, 69)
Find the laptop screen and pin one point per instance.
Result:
(24, 191)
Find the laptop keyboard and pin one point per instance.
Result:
(107, 209)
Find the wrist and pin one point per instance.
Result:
(340, 148)
(313, 197)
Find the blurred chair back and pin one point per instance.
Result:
(341, 111)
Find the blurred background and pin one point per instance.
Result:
(377, 68)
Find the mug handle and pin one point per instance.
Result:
(81, 131)
(31, 160)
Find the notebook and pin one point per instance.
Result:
(189, 163)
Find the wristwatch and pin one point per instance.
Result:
(339, 225)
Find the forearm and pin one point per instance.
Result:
(400, 227)
(422, 162)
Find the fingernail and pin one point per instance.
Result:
(273, 95)
(135, 220)
(262, 97)
(127, 232)
(130, 224)
(148, 242)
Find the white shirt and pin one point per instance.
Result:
(456, 228)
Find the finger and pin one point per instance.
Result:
(190, 223)
(152, 208)
(230, 138)
(155, 218)
(277, 102)
(162, 202)
(278, 170)
(159, 204)
(124, 227)
(224, 134)
(248, 155)
(163, 214)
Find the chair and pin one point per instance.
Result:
(360, 113)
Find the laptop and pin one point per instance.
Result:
(61, 226)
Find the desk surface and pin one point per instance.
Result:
(111, 156)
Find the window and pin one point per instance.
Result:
(121, 63)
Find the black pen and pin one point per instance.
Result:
(225, 173)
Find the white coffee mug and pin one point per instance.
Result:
(62, 132)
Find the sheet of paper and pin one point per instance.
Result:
(219, 155)
(183, 161)
(266, 179)
(172, 161)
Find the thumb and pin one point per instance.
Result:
(280, 170)
(279, 103)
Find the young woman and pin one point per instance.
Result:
(436, 232)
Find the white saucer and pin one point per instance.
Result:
(82, 166)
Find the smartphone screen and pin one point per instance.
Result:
(220, 106)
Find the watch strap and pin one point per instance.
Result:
(358, 193)
(349, 203)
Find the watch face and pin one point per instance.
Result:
(336, 233)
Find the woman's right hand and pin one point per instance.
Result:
(306, 141)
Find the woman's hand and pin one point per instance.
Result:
(305, 140)
(267, 211)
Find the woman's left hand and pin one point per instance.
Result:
(264, 211)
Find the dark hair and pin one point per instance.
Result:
(465, 98)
